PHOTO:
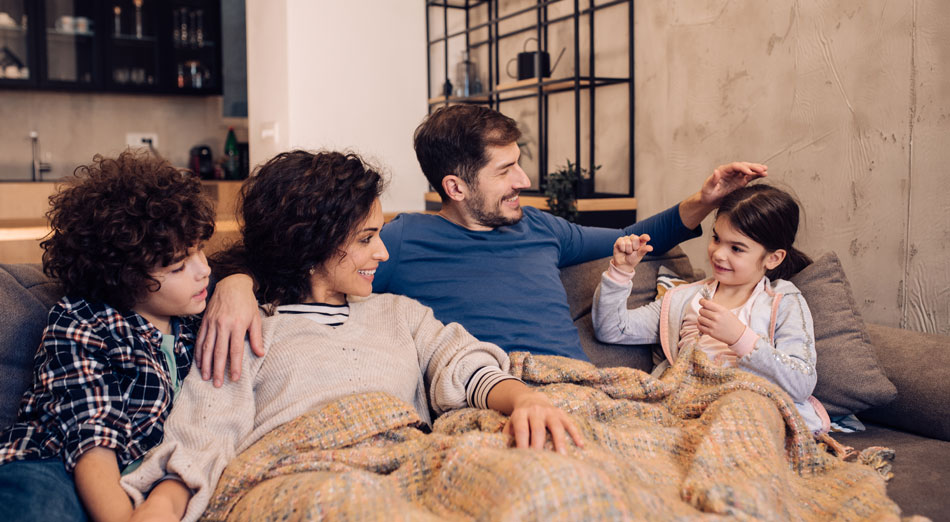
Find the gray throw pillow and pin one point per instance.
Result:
(850, 378)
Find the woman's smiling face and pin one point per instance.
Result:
(352, 273)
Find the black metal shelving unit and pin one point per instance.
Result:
(498, 93)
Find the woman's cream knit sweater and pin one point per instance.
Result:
(389, 343)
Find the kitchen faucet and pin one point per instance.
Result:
(38, 166)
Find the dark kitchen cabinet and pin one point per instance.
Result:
(128, 46)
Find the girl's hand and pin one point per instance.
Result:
(718, 322)
(533, 416)
(629, 250)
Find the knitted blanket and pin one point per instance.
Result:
(703, 441)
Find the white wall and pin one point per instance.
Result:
(341, 74)
(268, 79)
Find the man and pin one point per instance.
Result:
(483, 261)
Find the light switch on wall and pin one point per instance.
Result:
(270, 131)
(141, 139)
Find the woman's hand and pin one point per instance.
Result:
(146, 513)
(231, 313)
(531, 415)
(719, 322)
(166, 503)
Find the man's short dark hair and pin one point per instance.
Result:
(454, 140)
(116, 220)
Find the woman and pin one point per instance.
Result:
(311, 242)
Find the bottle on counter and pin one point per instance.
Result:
(232, 160)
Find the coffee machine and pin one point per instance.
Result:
(201, 162)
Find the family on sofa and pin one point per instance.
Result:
(335, 305)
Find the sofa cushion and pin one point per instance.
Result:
(916, 362)
(26, 296)
(850, 378)
(921, 469)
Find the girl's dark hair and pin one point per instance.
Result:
(768, 216)
(118, 219)
(297, 212)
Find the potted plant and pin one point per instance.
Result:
(563, 186)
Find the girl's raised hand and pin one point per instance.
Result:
(629, 250)
(719, 322)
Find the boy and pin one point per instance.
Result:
(126, 248)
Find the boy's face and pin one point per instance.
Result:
(184, 288)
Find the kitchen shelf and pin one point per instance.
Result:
(131, 39)
(70, 34)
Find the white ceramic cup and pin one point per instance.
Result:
(66, 23)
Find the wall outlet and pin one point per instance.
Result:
(141, 139)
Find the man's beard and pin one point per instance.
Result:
(491, 217)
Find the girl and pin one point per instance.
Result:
(311, 242)
(746, 315)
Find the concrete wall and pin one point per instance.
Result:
(340, 75)
(847, 101)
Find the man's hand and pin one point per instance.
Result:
(531, 415)
(725, 179)
(231, 313)
(729, 177)
(629, 250)
(718, 322)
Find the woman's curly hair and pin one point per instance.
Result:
(297, 213)
(117, 220)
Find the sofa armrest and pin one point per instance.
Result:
(917, 364)
(26, 296)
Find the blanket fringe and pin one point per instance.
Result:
(878, 458)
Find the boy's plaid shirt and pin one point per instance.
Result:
(99, 379)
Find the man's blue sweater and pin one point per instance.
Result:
(504, 285)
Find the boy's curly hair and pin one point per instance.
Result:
(117, 220)
(298, 212)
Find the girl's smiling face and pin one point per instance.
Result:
(737, 260)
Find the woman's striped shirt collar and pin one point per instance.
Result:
(322, 313)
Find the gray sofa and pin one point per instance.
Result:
(916, 424)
